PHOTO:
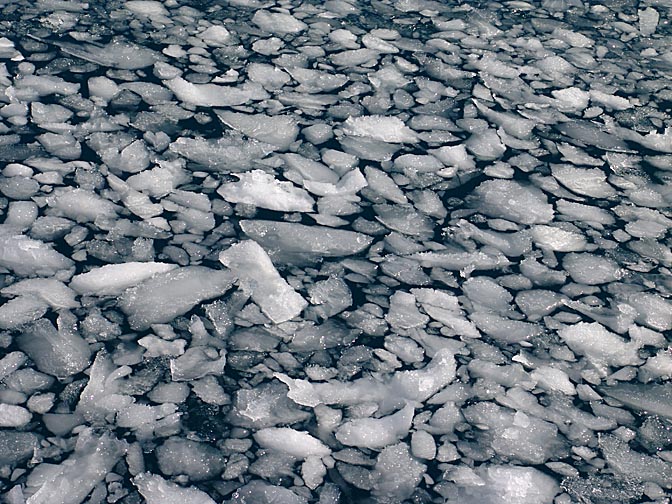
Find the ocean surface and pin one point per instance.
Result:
(335, 252)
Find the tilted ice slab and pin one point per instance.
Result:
(261, 189)
(378, 127)
(113, 279)
(214, 95)
(289, 241)
(252, 265)
(293, 442)
(166, 296)
(157, 490)
(279, 130)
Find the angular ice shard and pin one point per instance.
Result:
(261, 189)
(71, 481)
(28, 257)
(278, 130)
(289, 242)
(297, 443)
(157, 490)
(82, 205)
(49, 290)
(168, 295)
(252, 265)
(113, 279)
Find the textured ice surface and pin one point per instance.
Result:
(115, 278)
(253, 267)
(261, 189)
(165, 296)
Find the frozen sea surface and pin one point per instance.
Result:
(335, 252)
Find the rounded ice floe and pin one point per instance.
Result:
(514, 201)
(292, 442)
(279, 23)
(591, 269)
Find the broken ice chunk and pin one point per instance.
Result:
(16, 446)
(591, 269)
(584, 181)
(21, 310)
(403, 311)
(197, 362)
(214, 95)
(648, 21)
(157, 490)
(289, 242)
(28, 257)
(632, 464)
(376, 433)
(511, 200)
(216, 36)
(49, 290)
(504, 484)
(113, 279)
(252, 265)
(278, 130)
(117, 54)
(71, 481)
(296, 443)
(600, 347)
(61, 352)
(82, 205)
(650, 399)
(199, 461)
(259, 492)
(558, 239)
(396, 474)
(168, 295)
(261, 189)
(377, 127)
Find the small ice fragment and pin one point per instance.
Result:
(264, 190)
(278, 22)
(278, 130)
(252, 265)
(157, 490)
(377, 127)
(168, 295)
(423, 445)
(296, 443)
(113, 279)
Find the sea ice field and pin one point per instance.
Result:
(335, 252)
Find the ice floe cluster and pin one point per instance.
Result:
(338, 251)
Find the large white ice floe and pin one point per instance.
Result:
(290, 241)
(279, 130)
(253, 267)
(215, 95)
(512, 200)
(164, 296)
(502, 484)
